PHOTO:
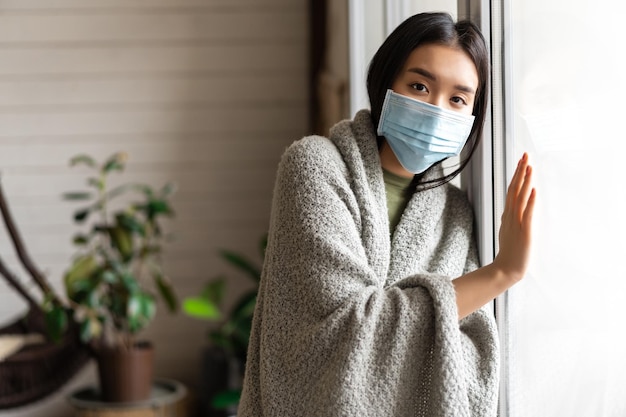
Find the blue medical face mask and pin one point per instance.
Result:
(421, 134)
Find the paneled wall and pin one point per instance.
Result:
(204, 93)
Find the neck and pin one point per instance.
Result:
(390, 162)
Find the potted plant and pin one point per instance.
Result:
(116, 276)
(224, 359)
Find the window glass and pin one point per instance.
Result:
(566, 319)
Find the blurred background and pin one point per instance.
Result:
(202, 93)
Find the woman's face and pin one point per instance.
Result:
(439, 75)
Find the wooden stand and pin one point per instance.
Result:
(167, 399)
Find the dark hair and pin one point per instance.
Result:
(430, 28)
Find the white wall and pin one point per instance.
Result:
(206, 93)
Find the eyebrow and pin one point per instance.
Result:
(432, 77)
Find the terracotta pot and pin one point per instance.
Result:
(126, 374)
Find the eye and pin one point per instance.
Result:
(419, 87)
(458, 100)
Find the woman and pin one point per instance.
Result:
(371, 303)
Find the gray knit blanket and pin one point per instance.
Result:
(352, 322)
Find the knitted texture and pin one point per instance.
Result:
(351, 322)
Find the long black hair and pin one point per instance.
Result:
(421, 29)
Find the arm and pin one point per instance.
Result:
(327, 327)
(477, 288)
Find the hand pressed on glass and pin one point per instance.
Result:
(475, 289)
(516, 227)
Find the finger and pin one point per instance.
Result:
(515, 174)
(516, 181)
(518, 175)
(524, 193)
(530, 209)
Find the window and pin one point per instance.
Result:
(566, 344)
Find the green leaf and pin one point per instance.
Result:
(81, 215)
(109, 276)
(123, 241)
(115, 163)
(133, 307)
(78, 278)
(100, 228)
(156, 207)
(56, 322)
(225, 399)
(117, 191)
(116, 266)
(214, 290)
(140, 311)
(145, 189)
(80, 239)
(85, 331)
(130, 222)
(83, 159)
(243, 264)
(222, 339)
(117, 304)
(241, 335)
(245, 307)
(96, 182)
(92, 299)
(80, 290)
(201, 308)
(90, 329)
(166, 291)
(130, 283)
(78, 196)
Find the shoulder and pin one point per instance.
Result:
(310, 148)
(313, 155)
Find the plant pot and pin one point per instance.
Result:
(126, 374)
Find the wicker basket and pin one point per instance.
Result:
(37, 371)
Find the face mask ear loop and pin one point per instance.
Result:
(381, 120)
